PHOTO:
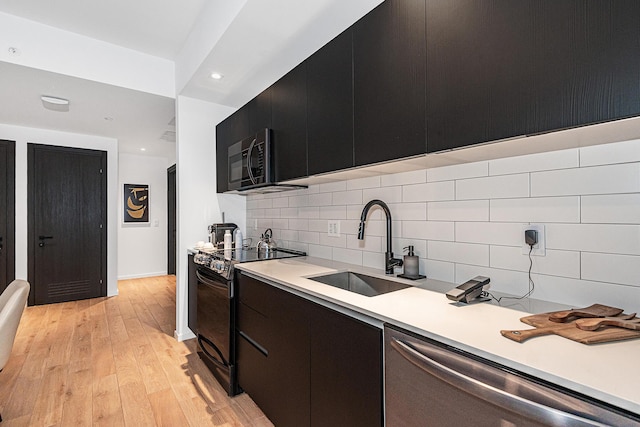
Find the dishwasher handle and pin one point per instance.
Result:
(488, 392)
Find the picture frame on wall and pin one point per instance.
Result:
(136, 203)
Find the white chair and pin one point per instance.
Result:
(12, 303)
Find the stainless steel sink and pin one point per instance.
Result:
(359, 283)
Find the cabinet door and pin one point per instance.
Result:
(231, 130)
(330, 106)
(260, 112)
(346, 370)
(479, 69)
(389, 50)
(587, 67)
(273, 351)
(289, 124)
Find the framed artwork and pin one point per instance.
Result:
(136, 203)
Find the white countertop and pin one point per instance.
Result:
(608, 372)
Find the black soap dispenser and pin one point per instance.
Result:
(411, 265)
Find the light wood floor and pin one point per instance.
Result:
(114, 362)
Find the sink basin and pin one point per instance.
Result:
(359, 283)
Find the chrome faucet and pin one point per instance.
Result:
(389, 260)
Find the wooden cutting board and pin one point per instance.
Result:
(569, 330)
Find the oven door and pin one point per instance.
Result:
(215, 323)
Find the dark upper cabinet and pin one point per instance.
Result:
(389, 51)
(259, 110)
(289, 124)
(330, 106)
(499, 69)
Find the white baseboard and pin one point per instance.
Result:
(185, 336)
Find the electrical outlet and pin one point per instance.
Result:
(539, 249)
(333, 228)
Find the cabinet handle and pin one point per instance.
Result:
(42, 239)
(249, 153)
(493, 395)
(221, 361)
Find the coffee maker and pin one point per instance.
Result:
(216, 233)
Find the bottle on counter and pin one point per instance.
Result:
(237, 238)
(228, 244)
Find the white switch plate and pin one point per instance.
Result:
(333, 228)
(540, 248)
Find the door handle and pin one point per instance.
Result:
(42, 239)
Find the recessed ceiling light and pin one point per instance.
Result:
(55, 103)
(143, 149)
(13, 51)
(216, 76)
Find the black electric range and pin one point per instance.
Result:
(216, 307)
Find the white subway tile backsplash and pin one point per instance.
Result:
(467, 170)
(331, 187)
(555, 263)
(622, 269)
(611, 209)
(349, 256)
(464, 253)
(351, 197)
(624, 178)
(324, 252)
(333, 212)
(409, 211)
(310, 237)
(466, 220)
(280, 202)
(369, 243)
(495, 187)
(562, 159)
(440, 270)
(360, 183)
(436, 191)
(613, 239)
(386, 194)
(463, 210)
(404, 178)
(320, 199)
(490, 233)
(538, 209)
(428, 230)
(618, 152)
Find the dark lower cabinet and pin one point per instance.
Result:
(304, 364)
(346, 364)
(389, 82)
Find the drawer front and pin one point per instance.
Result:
(255, 294)
(255, 326)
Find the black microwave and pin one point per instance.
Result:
(250, 162)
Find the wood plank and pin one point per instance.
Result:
(112, 362)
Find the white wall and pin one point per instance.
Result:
(467, 220)
(198, 204)
(142, 248)
(22, 136)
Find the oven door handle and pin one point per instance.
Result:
(211, 282)
(249, 154)
(220, 362)
(493, 395)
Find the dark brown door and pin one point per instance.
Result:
(67, 223)
(7, 213)
(172, 222)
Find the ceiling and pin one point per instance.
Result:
(265, 40)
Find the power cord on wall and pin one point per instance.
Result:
(532, 285)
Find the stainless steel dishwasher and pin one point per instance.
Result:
(431, 384)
